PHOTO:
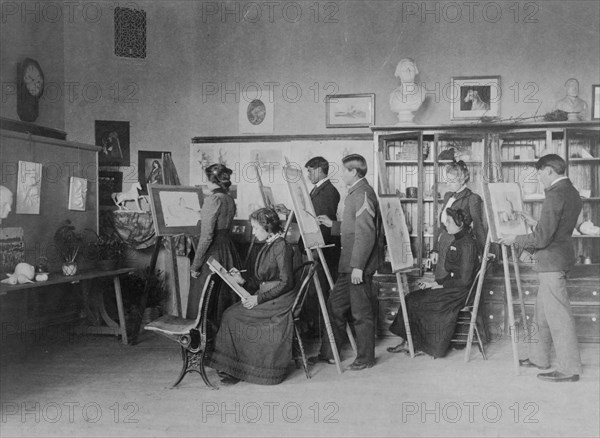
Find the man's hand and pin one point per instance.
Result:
(236, 276)
(324, 220)
(429, 285)
(356, 276)
(281, 209)
(195, 274)
(528, 218)
(507, 239)
(250, 302)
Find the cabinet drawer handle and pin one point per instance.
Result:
(491, 292)
(526, 292)
(527, 317)
(595, 292)
(594, 318)
(491, 317)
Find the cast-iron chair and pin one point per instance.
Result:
(307, 270)
(190, 334)
(461, 334)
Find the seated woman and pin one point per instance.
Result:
(432, 312)
(254, 342)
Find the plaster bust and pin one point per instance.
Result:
(408, 97)
(6, 199)
(572, 104)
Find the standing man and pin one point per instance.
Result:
(325, 199)
(360, 257)
(551, 240)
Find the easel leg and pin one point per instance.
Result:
(520, 289)
(119, 297)
(331, 284)
(511, 313)
(175, 275)
(473, 323)
(323, 305)
(401, 280)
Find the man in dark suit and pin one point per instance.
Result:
(552, 243)
(361, 255)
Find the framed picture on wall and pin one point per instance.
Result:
(256, 117)
(109, 182)
(595, 102)
(150, 169)
(475, 97)
(349, 110)
(113, 137)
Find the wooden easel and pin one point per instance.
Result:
(402, 282)
(322, 303)
(509, 302)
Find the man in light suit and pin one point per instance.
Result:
(552, 243)
(361, 256)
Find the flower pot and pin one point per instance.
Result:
(107, 265)
(69, 268)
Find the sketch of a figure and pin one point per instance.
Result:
(77, 193)
(180, 208)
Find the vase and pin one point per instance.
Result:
(69, 268)
(106, 265)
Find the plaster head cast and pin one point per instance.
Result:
(6, 199)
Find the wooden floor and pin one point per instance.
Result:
(56, 384)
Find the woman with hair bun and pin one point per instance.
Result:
(458, 197)
(433, 311)
(216, 221)
(254, 342)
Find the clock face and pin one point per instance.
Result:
(34, 80)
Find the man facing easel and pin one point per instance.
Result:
(360, 258)
(552, 242)
(325, 199)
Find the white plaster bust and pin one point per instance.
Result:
(6, 199)
(408, 97)
(573, 105)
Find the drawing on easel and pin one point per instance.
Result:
(503, 202)
(396, 233)
(175, 209)
(303, 208)
(268, 198)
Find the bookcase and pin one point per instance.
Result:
(415, 157)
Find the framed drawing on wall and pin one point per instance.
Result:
(350, 110)
(77, 193)
(503, 202)
(29, 187)
(113, 137)
(256, 117)
(475, 97)
(175, 209)
(595, 102)
(150, 169)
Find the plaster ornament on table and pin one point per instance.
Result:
(408, 97)
(571, 103)
(589, 229)
(24, 273)
(119, 198)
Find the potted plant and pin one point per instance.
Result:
(68, 241)
(106, 249)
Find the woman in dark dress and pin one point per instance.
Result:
(433, 312)
(254, 342)
(459, 197)
(216, 221)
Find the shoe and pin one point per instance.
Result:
(358, 366)
(314, 359)
(529, 364)
(557, 376)
(400, 348)
(229, 380)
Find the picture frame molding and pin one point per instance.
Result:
(149, 155)
(456, 114)
(370, 97)
(161, 229)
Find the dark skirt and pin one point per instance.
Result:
(223, 250)
(445, 239)
(255, 345)
(432, 316)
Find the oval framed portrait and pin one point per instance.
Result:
(256, 116)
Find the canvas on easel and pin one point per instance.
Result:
(503, 202)
(396, 233)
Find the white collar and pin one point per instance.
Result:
(273, 238)
(320, 182)
(558, 179)
(356, 182)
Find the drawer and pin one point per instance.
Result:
(587, 323)
(386, 313)
(388, 290)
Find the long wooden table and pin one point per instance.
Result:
(84, 278)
